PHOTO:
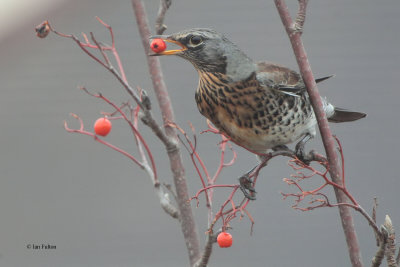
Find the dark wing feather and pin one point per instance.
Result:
(282, 79)
(279, 78)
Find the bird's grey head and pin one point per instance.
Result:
(210, 51)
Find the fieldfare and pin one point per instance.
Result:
(259, 106)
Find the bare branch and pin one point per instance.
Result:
(100, 48)
(162, 10)
(390, 252)
(165, 202)
(301, 16)
(379, 255)
(205, 257)
(327, 138)
(374, 208)
(188, 225)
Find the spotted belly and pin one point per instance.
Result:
(253, 117)
(266, 136)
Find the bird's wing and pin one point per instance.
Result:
(282, 79)
(279, 78)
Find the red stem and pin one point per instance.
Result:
(136, 134)
(96, 138)
(114, 50)
(193, 156)
(221, 162)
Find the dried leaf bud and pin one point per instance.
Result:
(43, 29)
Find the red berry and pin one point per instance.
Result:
(102, 126)
(224, 240)
(158, 45)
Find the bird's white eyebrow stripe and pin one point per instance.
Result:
(207, 33)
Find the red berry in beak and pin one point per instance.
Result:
(158, 45)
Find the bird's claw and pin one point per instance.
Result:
(299, 150)
(247, 187)
(301, 155)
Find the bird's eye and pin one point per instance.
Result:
(195, 40)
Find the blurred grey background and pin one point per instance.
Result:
(99, 209)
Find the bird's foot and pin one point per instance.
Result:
(299, 150)
(246, 185)
(301, 155)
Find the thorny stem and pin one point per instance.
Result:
(328, 141)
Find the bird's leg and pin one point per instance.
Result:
(246, 184)
(299, 150)
(281, 148)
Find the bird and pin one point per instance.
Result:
(257, 105)
(260, 106)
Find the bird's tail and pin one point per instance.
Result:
(344, 115)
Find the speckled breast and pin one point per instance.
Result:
(254, 117)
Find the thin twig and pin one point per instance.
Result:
(113, 49)
(374, 208)
(97, 139)
(135, 131)
(162, 10)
